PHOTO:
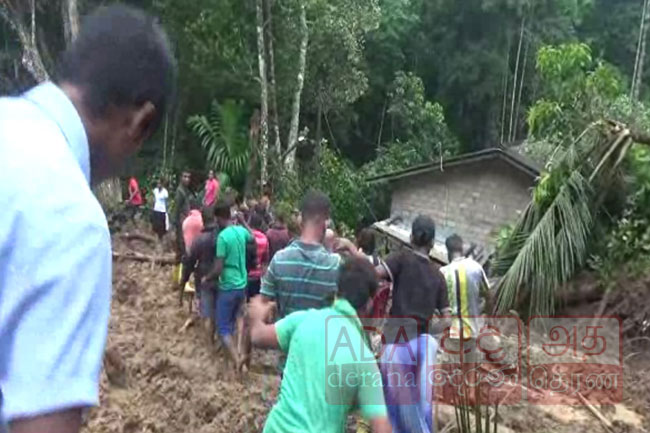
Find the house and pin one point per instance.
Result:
(473, 195)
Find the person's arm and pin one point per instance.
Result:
(57, 309)
(389, 269)
(263, 334)
(216, 270)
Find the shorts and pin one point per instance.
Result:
(253, 289)
(208, 301)
(229, 304)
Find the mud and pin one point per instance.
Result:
(158, 379)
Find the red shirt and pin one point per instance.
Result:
(211, 192)
(262, 255)
(134, 192)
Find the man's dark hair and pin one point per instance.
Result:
(222, 209)
(256, 221)
(357, 281)
(315, 205)
(121, 57)
(423, 231)
(454, 244)
(366, 241)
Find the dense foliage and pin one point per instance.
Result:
(325, 93)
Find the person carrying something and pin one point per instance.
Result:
(419, 291)
(303, 275)
(192, 226)
(323, 379)
(200, 260)
(55, 249)
(211, 194)
(182, 209)
(466, 282)
(230, 268)
(159, 213)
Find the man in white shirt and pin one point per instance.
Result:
(159, 215)
(114, 85)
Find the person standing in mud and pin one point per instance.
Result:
(303, 275)
(182, 209)
(323, 380)
(114, 85)
(231, 271)
(419, 290)
(200, 260)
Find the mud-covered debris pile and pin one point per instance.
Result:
(156, 379)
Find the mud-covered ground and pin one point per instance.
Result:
(158, 379)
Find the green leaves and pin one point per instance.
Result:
(223, 134)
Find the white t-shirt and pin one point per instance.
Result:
(160, 199)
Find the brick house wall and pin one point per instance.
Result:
(474, 200)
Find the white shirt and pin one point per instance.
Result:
(55, 259)
(160, 199)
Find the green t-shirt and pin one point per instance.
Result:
(231, 247)
(330, 370)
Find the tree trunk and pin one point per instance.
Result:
(514, 80)
(505, 93)
(31, 58)
(300, 79)
(638, 49)
(264, 97)
(275, 122)
(70, 16)
(521, 88)
(641, 55)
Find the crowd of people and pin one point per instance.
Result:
(258, 283)
(296, 277)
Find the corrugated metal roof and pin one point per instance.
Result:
(516, 160)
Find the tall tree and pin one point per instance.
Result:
(264, 93)
(273, 91)
(292, 141)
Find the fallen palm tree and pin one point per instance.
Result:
(551, 239)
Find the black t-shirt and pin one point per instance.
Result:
(419, 288)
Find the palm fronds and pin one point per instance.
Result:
(551, 240)
(223, 134)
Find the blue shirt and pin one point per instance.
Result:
(55, 259)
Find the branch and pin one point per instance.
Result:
(162, 260)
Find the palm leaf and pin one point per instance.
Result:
(222, 133)
(551, 239)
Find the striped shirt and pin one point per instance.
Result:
(301, 276)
